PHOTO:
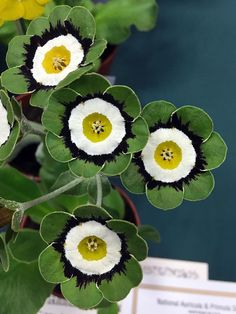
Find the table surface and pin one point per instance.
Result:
(190, 58)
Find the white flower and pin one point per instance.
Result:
(92, 248)
(97, 127)
(169, 155)
(4, 125)
(64, 53)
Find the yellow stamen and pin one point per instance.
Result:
(168, 155)
(92, 248)
(96, 127)
(56, 60)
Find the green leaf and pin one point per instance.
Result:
(74, 75)
(82, 20)
(52, 225)
(27, 246)
(96, 50)
(57, 148)
(149, 233)
(92, 187)
(85, 297)
(214, 150)
(50, 266)
(117, 166)
(7, 104)
(90, 84)
(114, 18)
(157, 112)
(16, 51)
(136, 245)
(91, 211)
(133, 180)
(141, 133)
(16, 220)
(114, 204)
(14, 81)
(17, 109)
(165, 197)
(200, 188)
(52, 116)
(59, 14)
(113, 308)
(4, 256)
(121, 284)
(198, 121)
(22, 289)
(40, 98)
(7, 148)
(7, 32)
(38, 26)
(82, 168)
(127, 97)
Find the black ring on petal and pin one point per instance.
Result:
(39, 41)
(174, 122)
(97, 159)
(82, 278)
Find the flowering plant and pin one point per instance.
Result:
(78, 237)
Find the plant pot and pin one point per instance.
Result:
(107, 59)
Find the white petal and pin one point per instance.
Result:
(4, 125)
(93, 228)
(52, 79)
(96, 105)
(188, 155)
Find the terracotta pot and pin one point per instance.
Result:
(107, 60)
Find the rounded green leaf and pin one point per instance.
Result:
(52, 116)
(136, 245)
(197, 120)
(165, 197)
(91, 211)
(85, 297)
(38, 26)
(28, 246)
(141, 134)
(74, 75)
(40, 98)
(16, 51)
(83, 21)
(90, 84)
(133, 180)
(214, 150)
(95, 51)
(14, 81)
(50, 266)
(117, 166)
(121, 284)
(82, 168)
(7, 104)
(200, 188)
(59, 15)
(4, 256)
(57, 148)
(127, 97)
(7, 148)
(52, 225)
(157, 112)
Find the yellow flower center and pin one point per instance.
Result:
(92, 248)
(56, 59)
(168, 155)
(96, 127)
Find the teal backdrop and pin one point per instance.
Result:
(190, 58)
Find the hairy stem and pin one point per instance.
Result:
(20, 27)
(51, 195)
(31, 127)
(99, 190)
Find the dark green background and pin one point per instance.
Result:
(190, 58)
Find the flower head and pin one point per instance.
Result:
(9, 127)
(94, 126)
(11, 10)
(54, 52)
(91, 254)
(181, 150)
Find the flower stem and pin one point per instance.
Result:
(49, 196)
(31, 127)
(20, 27)
(99, 190)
